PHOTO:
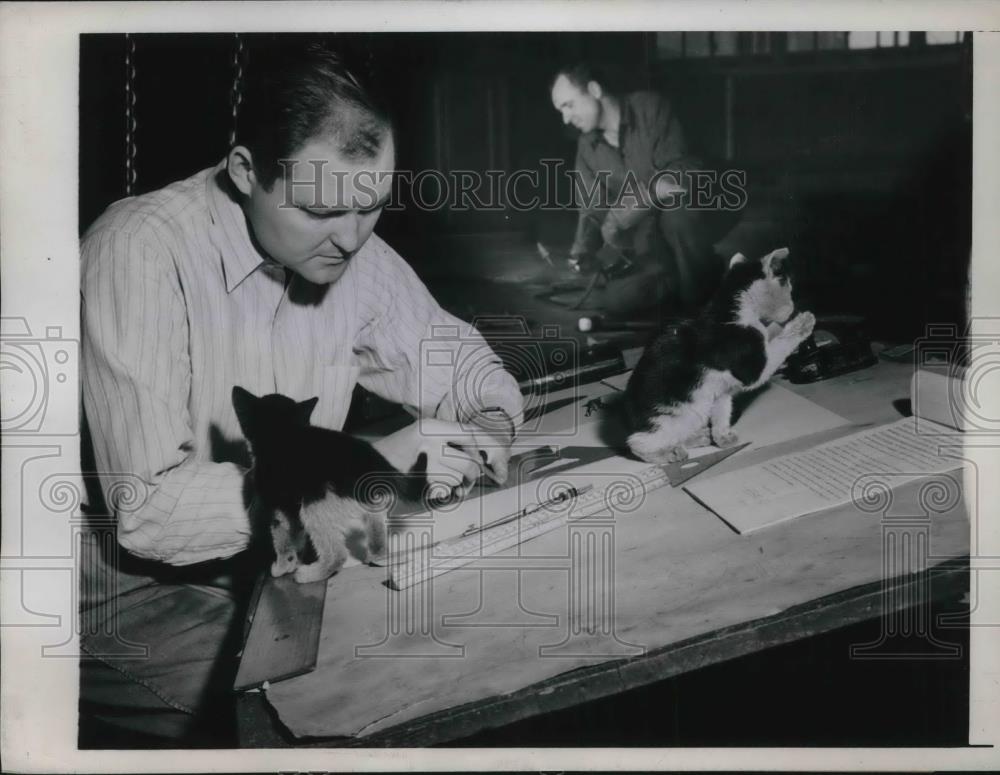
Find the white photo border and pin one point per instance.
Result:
(39, 154)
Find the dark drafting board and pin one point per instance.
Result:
(284, 639)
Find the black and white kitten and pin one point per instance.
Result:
(681, 392)
(325, 492)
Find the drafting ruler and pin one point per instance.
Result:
(425, 563)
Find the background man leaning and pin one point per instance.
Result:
(631, 155)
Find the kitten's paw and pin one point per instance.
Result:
(363, 555)
(662, 457)
(726, 439)
(283, 567)
(677, 455)
(701, 439)
(671, 455)
(316, 571)
(801, 326)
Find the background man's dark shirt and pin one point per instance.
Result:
(650, 139)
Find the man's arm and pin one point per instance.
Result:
(136, 383)
(669, 144)
(669, 149)
(413, 352)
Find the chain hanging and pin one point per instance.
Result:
(130, 120)
(236, 90)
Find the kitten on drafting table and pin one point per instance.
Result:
(682, 388)
(318, 486)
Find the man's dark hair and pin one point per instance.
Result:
(297, 90)
(581, 73)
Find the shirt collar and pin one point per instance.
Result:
(239, 256)
(595, 137)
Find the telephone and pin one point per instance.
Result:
(838, 345)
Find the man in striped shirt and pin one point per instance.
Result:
(261, 272)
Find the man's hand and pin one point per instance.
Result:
(492, 447)
(583, 263)
(665, 188)
(456, 455)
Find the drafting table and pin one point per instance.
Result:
(504, 644)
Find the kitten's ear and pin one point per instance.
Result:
(774, 262)
(738, 258)
(304, 410)
(244, 402)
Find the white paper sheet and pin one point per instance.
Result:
(774, 415)
(802, 483)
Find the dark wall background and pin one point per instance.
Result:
(860, 161)
(463, 101)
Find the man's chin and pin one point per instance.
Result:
(324, 275)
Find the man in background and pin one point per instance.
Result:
(631, 162)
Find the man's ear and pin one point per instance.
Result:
(304, 410)
(774, 261)
(737, 258)
(594, 90)
(239, 165)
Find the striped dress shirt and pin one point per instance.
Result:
(178, 307)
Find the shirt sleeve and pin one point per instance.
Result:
(413, 352)
(588, 238)
(136, 379)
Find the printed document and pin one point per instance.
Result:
(804, 482)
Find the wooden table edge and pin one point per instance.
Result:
(585, 684)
